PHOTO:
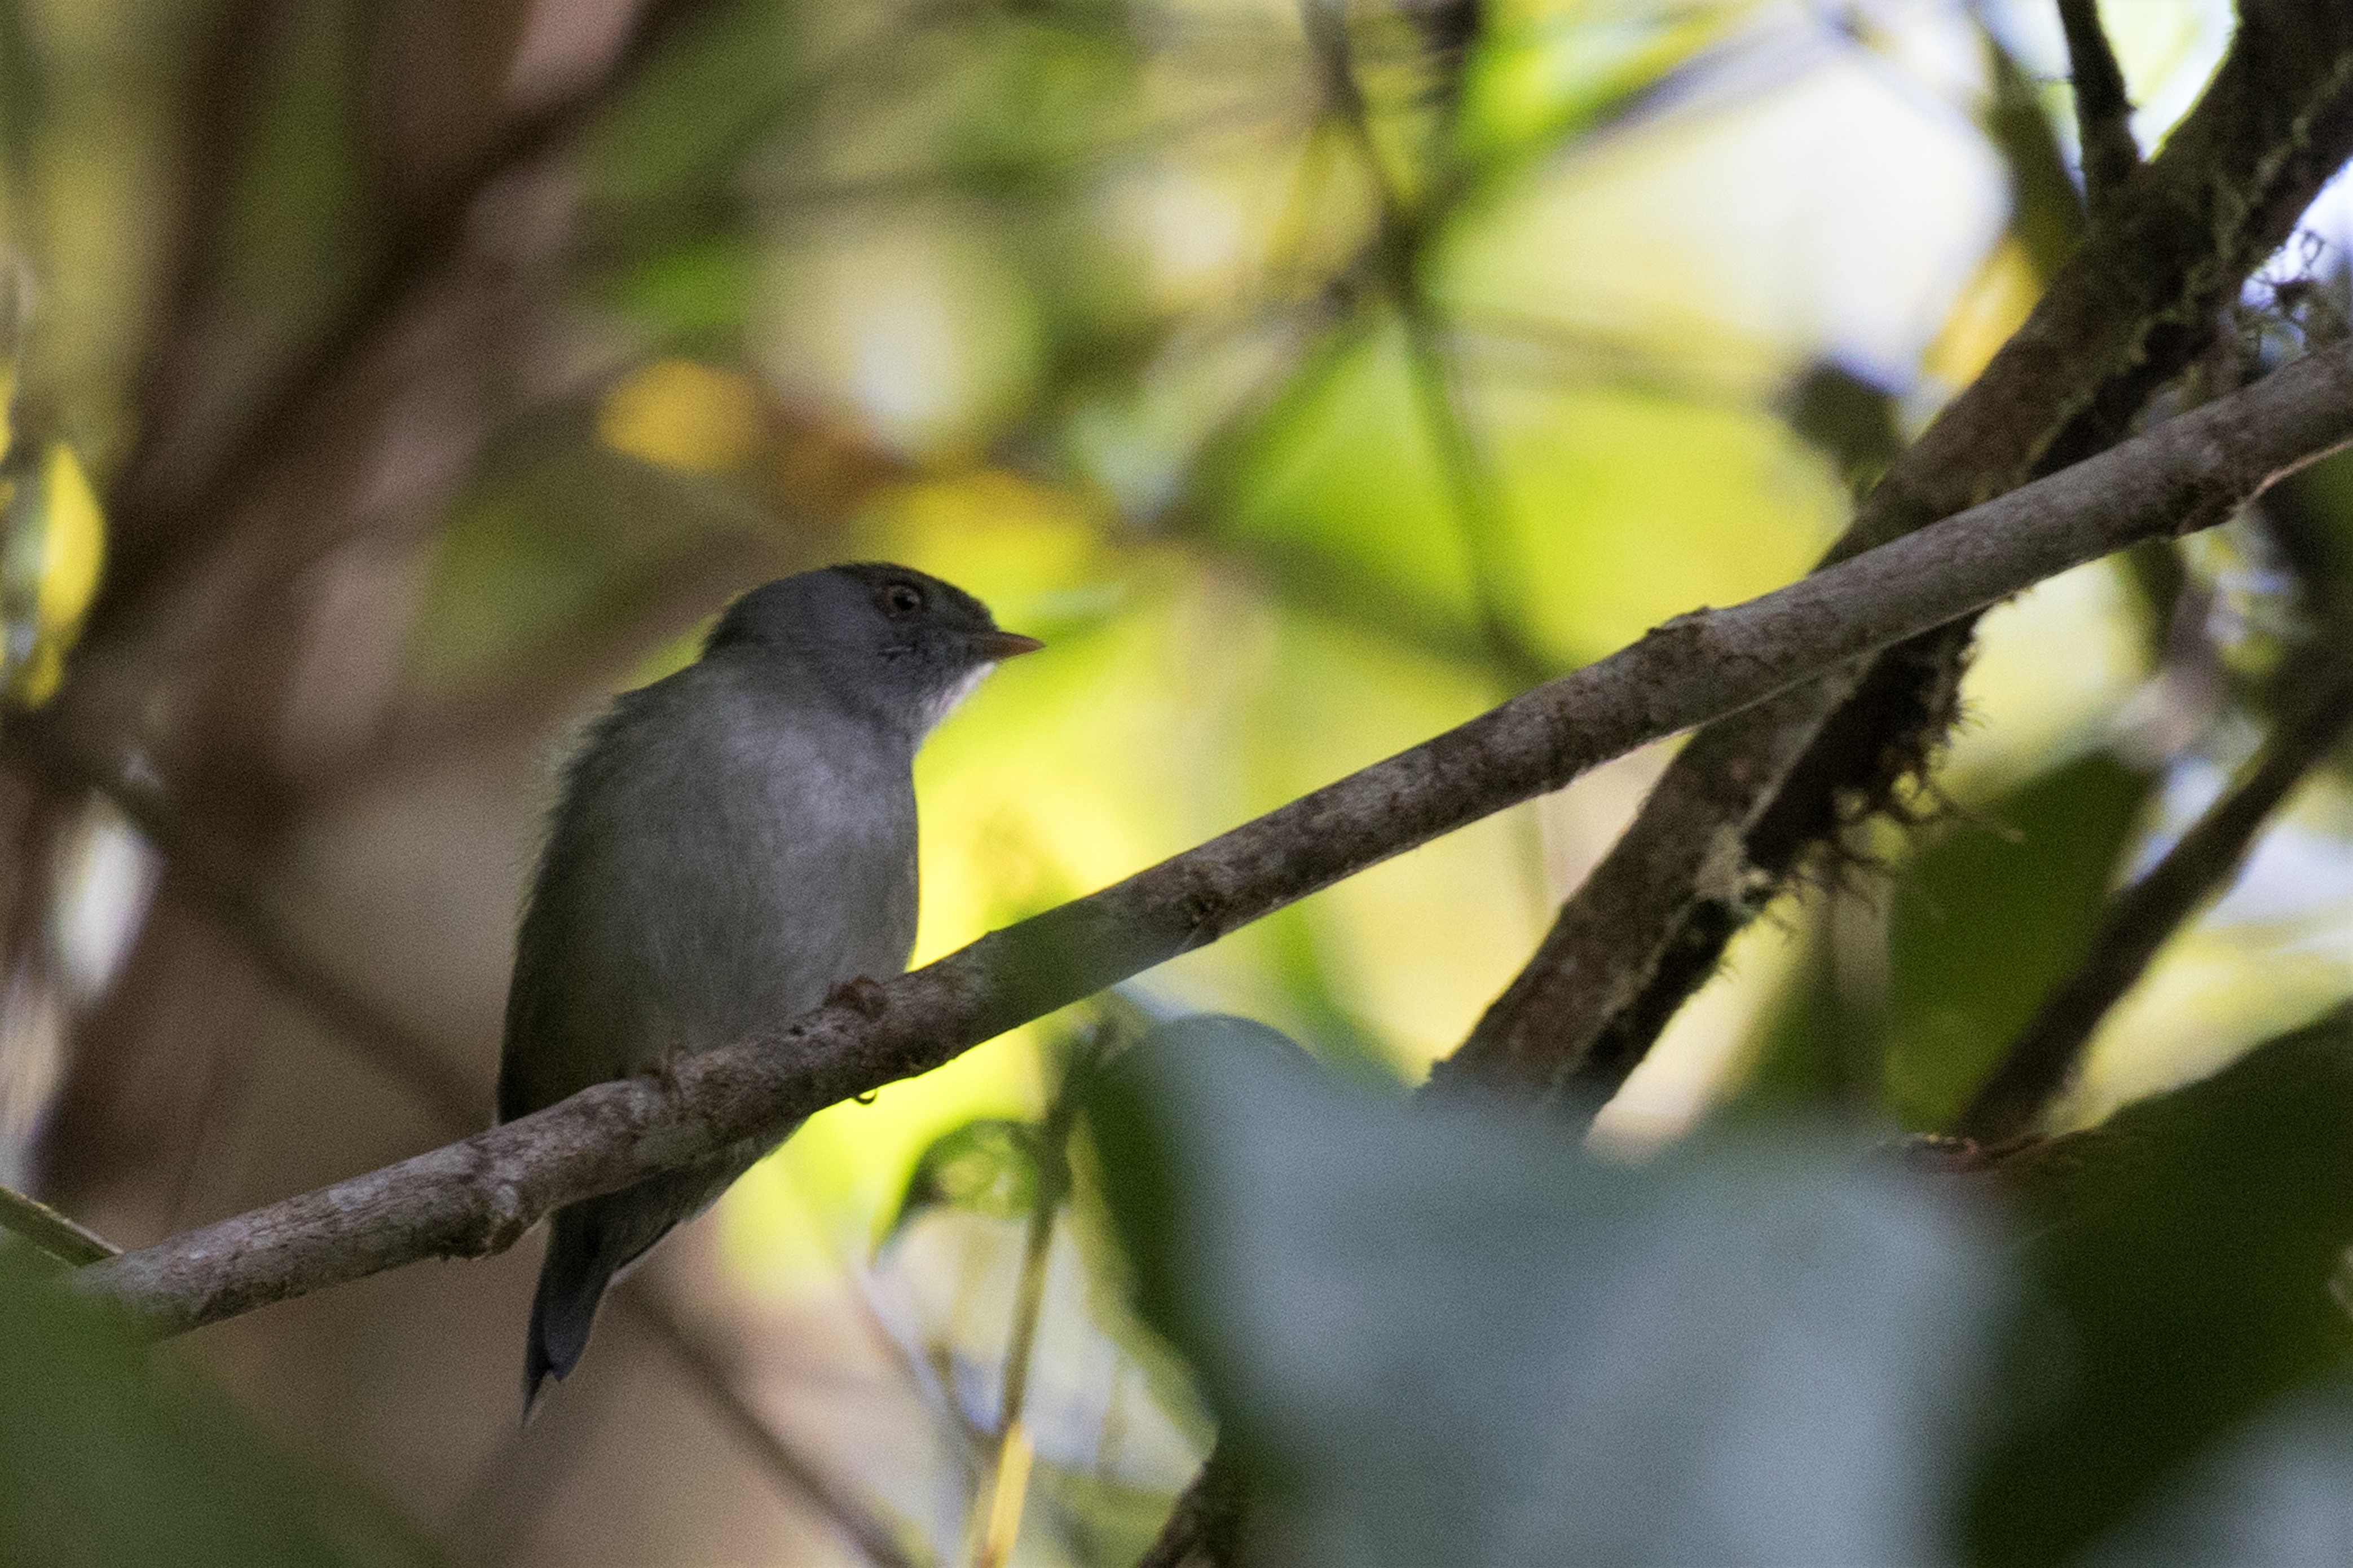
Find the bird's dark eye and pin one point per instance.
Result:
(901, 600)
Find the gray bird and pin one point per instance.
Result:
(731, 844)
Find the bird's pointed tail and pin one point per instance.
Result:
(590, 1243)
(571, 1282)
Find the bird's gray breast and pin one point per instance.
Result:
(727, 851)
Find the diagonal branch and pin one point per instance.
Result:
(1741, 806)
(2311, 695)
(477, 1196)
(35, 1222)
(2103, 113)
(2139, 920)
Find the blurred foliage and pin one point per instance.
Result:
(106, 1461)
(2026, 881)
(52, 530)
(2190, 1254)
(52, 539)
(1759, 1348)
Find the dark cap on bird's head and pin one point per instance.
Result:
(893, 643)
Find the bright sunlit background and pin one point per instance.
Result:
(1298, 436)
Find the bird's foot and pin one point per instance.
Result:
(860, 995)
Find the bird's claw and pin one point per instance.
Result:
(861, 995)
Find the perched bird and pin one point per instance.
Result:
(731, 844)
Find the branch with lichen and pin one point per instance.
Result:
(1742, 806)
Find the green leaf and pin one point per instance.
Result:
(1447, 1336)
(1103, 1519)
(987, 1167)
(2186, 1250)
(103, 1462)
(2273, 1492)
(1989, 918)
(1535, 81)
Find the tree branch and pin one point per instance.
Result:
(53, 1233)
(2103, 113)
(1739, 807)
(2312, 694)
(477, 1196)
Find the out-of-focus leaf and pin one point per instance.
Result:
(2279, 1491)
(1105, 1519)
(1540, 74)
(2186, 1249)
(2326, 490)
(1988, 919)
(1619, 507)
(989, 1166)
(105, 1465)
(52, 543)
(1811, 1047)
(716, 89)
(698, 291)
(1446, 1336)
(1848, 419)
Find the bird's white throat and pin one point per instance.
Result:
(940, 707)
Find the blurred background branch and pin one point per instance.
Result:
(2138, 922)
(2311, 702)
(50, 1231)
(2103, 113)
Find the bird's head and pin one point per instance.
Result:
(890, 642)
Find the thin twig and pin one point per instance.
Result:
(2139, 920)
(1481, 518)
(477, 1196)
(708, 1376)
(52, 1232)
(1050, 1150)
(2103, 113)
